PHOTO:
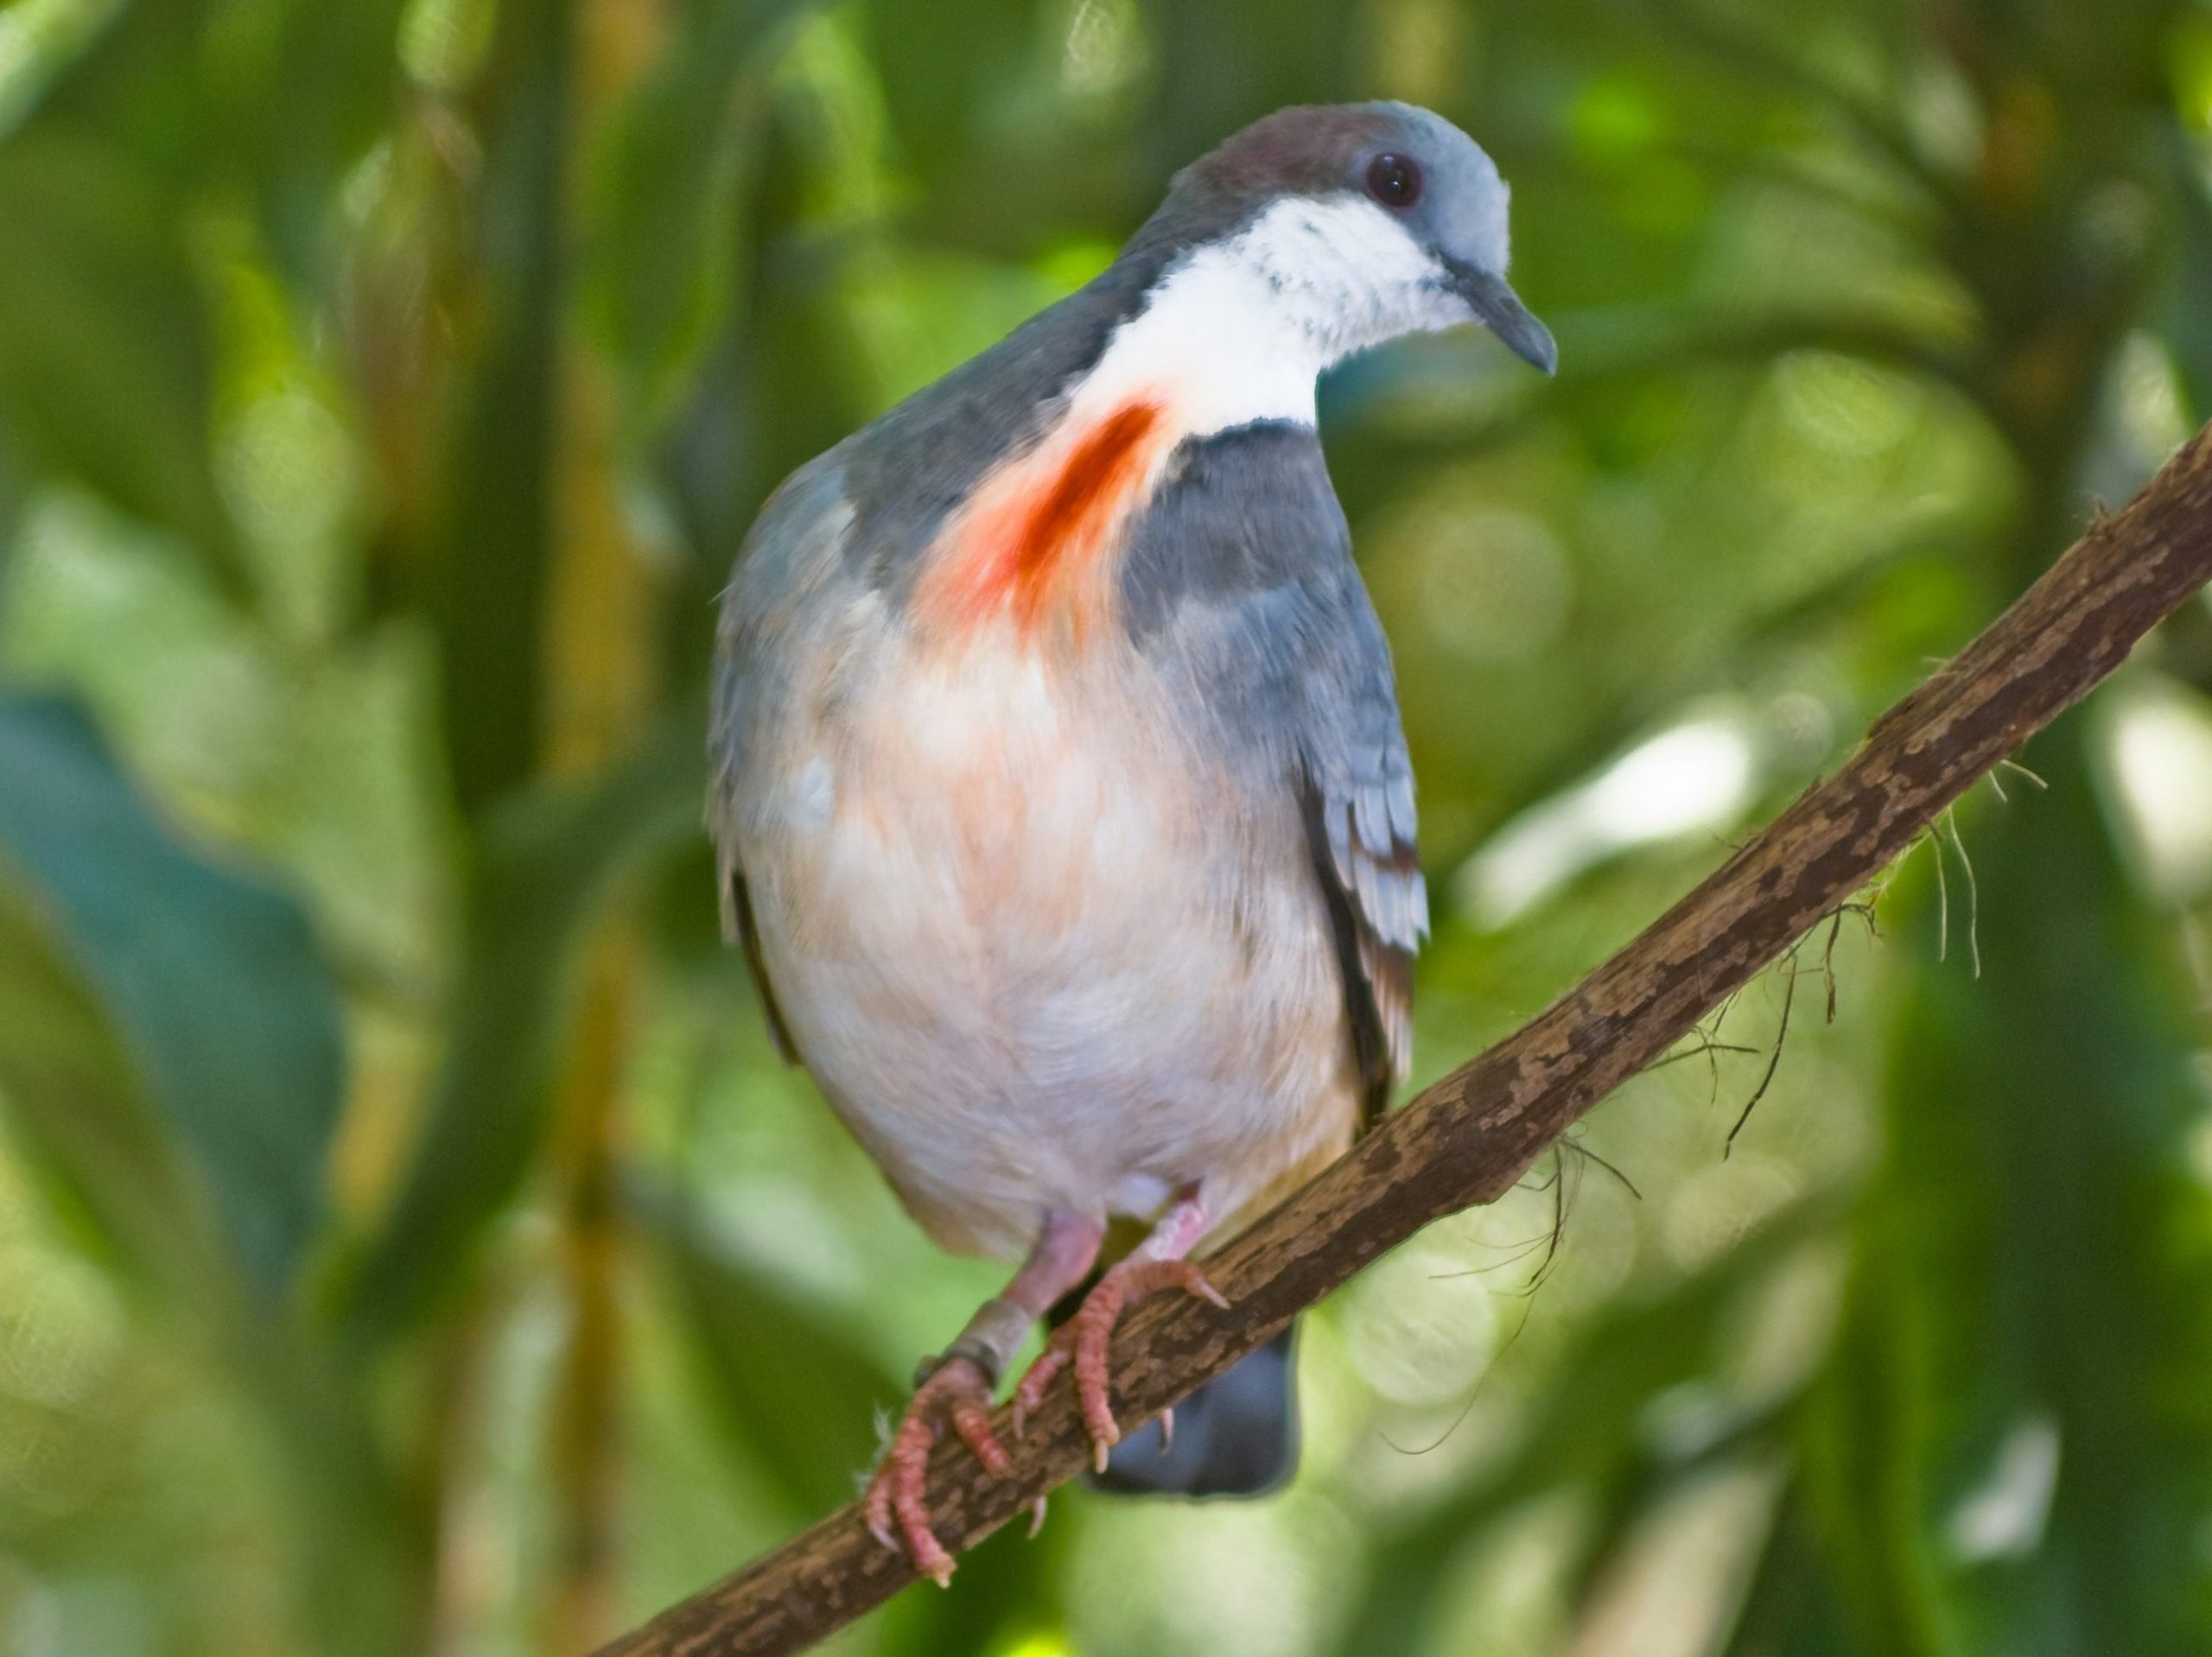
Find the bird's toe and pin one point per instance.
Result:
(896, 1506)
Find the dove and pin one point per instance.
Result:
(1062, 805)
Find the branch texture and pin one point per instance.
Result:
(1468, 1137)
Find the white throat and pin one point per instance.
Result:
(1239, 331)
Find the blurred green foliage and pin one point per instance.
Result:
(408, 1243)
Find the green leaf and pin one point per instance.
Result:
(547, 868)
(15, 494)
(488, 557)
(1789, 1608)
(50, 34)
(660, 275)
(221, 1011)
(798, 1398)
(2188, 320)
(309, 98)
(1865, 1439)
(74, 1096)
(104, 354)
(2031, 1267)
(1589, 1430)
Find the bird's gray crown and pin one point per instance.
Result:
(1327, 150)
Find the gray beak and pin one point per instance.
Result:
(1498, 308)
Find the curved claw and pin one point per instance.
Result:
(1085, 1341)
(895, 1508)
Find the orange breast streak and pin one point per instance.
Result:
(1030, 543)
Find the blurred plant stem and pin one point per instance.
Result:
(597, 696)
(595, 687)
(586, 1408)
(459, 1586)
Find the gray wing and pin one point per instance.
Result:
(1239, 586)
(795, 549)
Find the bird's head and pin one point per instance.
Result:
(1360, 221)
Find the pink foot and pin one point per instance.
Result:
(1082, 1341)
(958, 1393)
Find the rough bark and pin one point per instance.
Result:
(1472, 1135)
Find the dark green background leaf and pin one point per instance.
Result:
(547, 871)
(206, 975)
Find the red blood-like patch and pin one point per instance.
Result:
(1102, 469)
(1032, 533)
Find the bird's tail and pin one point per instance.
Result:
(1236, 1436)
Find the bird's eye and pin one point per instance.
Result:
(1394, 181)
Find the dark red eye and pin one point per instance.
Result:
(1394, 181)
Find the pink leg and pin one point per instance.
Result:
(956, 1388)
(1156, 1263)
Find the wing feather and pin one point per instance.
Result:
(794, 549)
(1377, 912)
(738, 925)
(1239, 582)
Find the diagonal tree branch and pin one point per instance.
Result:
(1468, 1139)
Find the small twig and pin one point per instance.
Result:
(1773, 1060)
(1942, 893)
(1582, 1150)
(1827, 960)
(1705, 1049)
(1562, 1194)
(1973, 891)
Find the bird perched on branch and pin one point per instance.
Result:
(1063, 809)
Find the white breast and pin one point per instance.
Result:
(1035, 955)
(1242, 327)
